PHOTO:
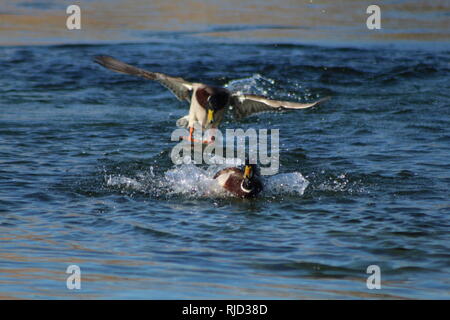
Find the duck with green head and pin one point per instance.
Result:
(242, 182)
(208, 104)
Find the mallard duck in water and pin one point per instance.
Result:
(243, 183)
(208, 104)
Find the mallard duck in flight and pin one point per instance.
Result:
(207, 103)
(243, 183)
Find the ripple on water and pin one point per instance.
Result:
(86, 174)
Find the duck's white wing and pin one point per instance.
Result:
(181, 88)
(247, 104)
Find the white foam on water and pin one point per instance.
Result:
(256, 84)
(123, 182)
(191, 181)
(291, 90)
(342, 183)
(292, 183)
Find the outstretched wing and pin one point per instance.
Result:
(247, 104)
(181, 88)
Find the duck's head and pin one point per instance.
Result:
(218, 100)
(250, 181)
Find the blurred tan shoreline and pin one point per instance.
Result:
(44, 22)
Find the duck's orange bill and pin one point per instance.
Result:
(247, 171)
(210, 116)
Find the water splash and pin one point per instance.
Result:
(286, 184)
(256, 84)
(342, 183)
(190, 181)
(124, 182)
(292, 90)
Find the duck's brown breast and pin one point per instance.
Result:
(231, 180)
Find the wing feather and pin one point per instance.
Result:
(181, 88)
(247, 104)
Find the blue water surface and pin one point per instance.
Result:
(85, 175)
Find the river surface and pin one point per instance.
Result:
(86, 177)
